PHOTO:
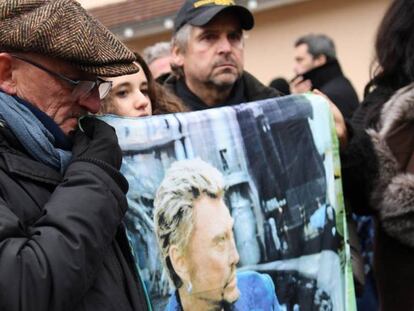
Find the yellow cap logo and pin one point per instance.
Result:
(217, 2)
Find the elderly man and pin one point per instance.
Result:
(316, 66)
(194, 231)
(62, 198)
(207, 56)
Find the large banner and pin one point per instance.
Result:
(279, 158)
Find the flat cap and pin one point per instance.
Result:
(64, 30)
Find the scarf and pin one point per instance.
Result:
(32, 134)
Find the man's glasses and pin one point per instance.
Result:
(81, 88)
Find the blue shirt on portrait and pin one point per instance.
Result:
(257, 293)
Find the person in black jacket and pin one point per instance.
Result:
(377, 165)
(62, 198)
(316, 67)
(207, 56)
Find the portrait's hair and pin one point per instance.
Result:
(318, 44)
(393, 66)
(184, 182)
(156, 51)
(180, 40)
(162, 101)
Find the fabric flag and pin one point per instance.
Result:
(280, 161)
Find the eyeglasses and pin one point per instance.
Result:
(81, 88)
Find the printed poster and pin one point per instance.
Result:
(279, 158)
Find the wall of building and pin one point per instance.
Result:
(269, 46)
(90, 4)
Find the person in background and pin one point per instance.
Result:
(194, 230)
(62, 198)
(138, 95)
(158, 58)
(207, 56)
(377, 164)
(317, 67)
(280, 84)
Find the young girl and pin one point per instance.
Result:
(138, 95)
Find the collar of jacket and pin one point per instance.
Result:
(175, 304)
(323, 74)
(255, 90)
(396, 127)
(14, 159)
(393, 194)
(248, 89)
(195, 103)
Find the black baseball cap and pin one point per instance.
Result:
(201, 12)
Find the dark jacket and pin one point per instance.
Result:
(62, 246)
(246, 89)
(375, 184)
(330, 80)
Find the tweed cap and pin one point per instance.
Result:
(64, 30)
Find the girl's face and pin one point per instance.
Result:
(129, 95)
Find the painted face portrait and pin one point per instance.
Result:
(194, 229)
(211, 255)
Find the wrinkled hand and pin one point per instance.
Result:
(300, 85)
(96, 140)
(340, 125)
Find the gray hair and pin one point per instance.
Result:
(318, 44)
(180, 40)
(158, 50)
(184, 183)
(181, 37)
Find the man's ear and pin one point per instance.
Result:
(179, 263)
(320, 60)
(177, 56)
(7, 82)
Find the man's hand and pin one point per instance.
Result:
(299, 85)
(96, 140)
(340, 125)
